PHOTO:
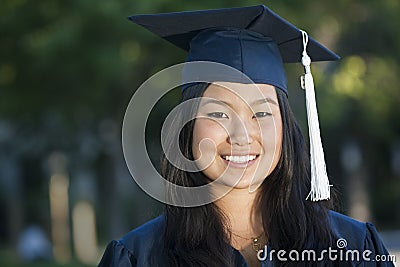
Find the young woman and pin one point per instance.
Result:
(244, 137)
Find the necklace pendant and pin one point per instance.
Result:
(256, 245)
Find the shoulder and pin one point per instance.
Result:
(351, 232)
(343, 225)
(355, 235)
(140, 247)
(145, 236)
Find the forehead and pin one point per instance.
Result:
(232, 92)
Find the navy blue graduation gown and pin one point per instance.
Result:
(143, 246)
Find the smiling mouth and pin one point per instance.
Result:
(240, 159)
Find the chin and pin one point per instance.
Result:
(243, 183)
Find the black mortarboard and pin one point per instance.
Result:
(252, 39)
(255, 41)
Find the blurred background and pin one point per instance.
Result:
(69, 68)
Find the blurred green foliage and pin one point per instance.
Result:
(66, 67)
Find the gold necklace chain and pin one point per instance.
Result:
(256, 241)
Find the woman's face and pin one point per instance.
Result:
(237, 134)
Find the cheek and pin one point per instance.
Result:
(279, 138)
(272, 136)
(207, 135)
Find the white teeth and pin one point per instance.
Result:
(240, 159)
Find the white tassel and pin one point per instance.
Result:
(320, 187)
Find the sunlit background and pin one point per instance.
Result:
(69, 68)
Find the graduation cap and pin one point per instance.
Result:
(255, 41)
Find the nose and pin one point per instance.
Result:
(242, 132)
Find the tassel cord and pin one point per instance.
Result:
(320, 188)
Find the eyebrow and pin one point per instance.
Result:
(214, 101)
(265, 100)
(256, 102)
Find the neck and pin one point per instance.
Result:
(237, 205)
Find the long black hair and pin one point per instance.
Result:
(199, 236)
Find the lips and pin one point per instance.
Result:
(239, 158)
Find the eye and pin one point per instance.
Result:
(261, 114)
(218, 115)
